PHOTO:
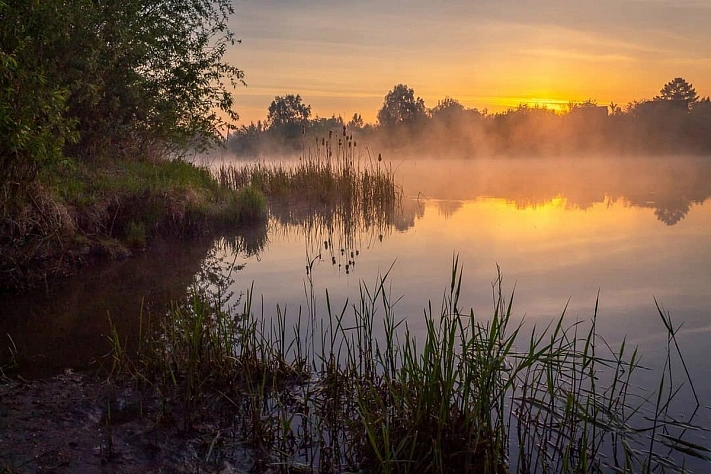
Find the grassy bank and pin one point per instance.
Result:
(76, 212)
(357, 392)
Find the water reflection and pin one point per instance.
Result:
(66, 325)
(671, 186)
(559, 229)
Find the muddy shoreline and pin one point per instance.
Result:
(81, 423)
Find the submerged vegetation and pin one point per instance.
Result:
(358, 391)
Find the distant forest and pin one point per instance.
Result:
(677, 121)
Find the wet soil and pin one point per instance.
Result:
(78, 423)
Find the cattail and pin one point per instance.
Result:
(330, 134)
(380, 157)
(344, 130)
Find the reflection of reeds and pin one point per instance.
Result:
(338, 394)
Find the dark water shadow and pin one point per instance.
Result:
(65, 326)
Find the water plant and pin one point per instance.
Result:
(356, 390)
(331, 173)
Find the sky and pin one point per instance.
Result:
(343, 57)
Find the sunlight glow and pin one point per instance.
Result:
(557, 105)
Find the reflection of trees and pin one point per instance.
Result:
(672, 211)
(248, 241)
(410, 210)
(667, 186)
(448, 208)
(66, 325)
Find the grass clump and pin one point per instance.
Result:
(76, 212)
(469, 395)
(250, 204)
(332, 175)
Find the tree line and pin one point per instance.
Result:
(677, 120)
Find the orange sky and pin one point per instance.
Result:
(344, 56)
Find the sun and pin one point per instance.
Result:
(558, 105)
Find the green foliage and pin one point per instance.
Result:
(34, 126)
(678, 89)
(288, 115)
(447, 107)
(401, 107)
(250, 204)
(356, 122)
(128, 78)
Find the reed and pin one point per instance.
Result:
(338, 393)
(332, 175)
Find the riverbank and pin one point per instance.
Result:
(76, 213)
(78, 422)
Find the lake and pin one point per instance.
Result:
(562, 232)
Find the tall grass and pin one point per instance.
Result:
(333, 183)
(339, 393)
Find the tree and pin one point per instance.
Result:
(287, 115)
(447, 109)
(356, 123)
(678, 89)
(34, 126)
(128, 76)
(401, 107)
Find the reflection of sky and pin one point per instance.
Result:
(344, 56)
(551, 253)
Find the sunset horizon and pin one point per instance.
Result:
(343, 58)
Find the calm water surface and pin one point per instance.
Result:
(561, 231)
